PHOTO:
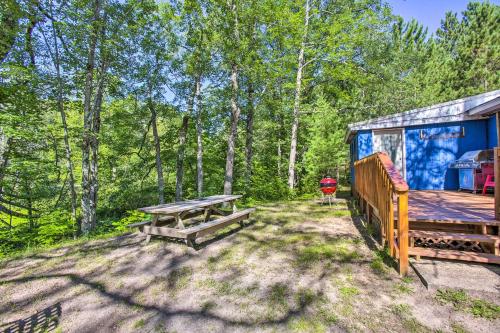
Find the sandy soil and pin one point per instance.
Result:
(295, 267)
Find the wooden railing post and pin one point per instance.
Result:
(403, 232)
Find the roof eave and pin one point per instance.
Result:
(486, 109)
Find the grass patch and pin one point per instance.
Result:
(305, 297)
(340, 250)
(463, 302)
(31, 251)
(342, 213)
(326, 315)
(226, 288)
(208, 305)
(458, 298)
(370, 230)
(409, 322)
(457, 328)
(179, 278)
(278, 294)
(403, 288)
(401, 310)
(380, 261)
(140, 323)
(304, 324)
(348, 292)
(484, 309)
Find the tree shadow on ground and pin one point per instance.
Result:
(372, 236)
(45, 320)
(146, 265)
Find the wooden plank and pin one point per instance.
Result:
(190, 214)
(182, 206)
(403, 233)
(216, 211)
(209, 227)
(138, 224)
(164, 231)
(390, 230)
(451, 207)
(453, 221)
(153, 225)
(487, 258)
(161, 220)
(454, 236)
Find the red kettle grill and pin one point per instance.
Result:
(328, 186)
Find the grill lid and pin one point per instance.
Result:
(473, 159)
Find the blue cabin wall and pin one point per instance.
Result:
(431, 148)
(365, 144)
(492, 132)
(361, 146)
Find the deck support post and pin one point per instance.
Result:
(403, 232)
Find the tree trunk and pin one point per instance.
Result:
(96, 126)
(235, 111)
(199, 139)
(279, 158)
(296, 104)
(33, 21)
(60, 107)
(159, 168)
(30, 205)
(4, 157)
(87, 123)
(182, 146)
(231, 140)
(249, 137)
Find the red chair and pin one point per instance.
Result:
(490, 182)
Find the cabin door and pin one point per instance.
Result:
(392, 142)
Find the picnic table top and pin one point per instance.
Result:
(182, 206)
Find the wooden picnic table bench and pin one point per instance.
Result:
(174, 215)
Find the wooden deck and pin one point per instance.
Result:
(453, 225)
(451, 207)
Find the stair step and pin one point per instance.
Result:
(487, 258)
(454, 236)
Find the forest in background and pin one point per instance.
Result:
(111, 105)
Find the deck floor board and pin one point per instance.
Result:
(451, 207)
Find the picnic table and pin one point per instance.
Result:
(177, 215)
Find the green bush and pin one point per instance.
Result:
(54, 227)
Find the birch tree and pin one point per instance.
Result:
(235, 108)
(297, 95)
(195, 66)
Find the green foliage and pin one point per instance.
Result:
(360, 62)
(463, 302)
(55, 227)
(484, 309)
(458, 298)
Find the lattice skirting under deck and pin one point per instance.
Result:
(450, 245)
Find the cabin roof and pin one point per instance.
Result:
(468, 108)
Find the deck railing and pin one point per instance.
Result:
(377, 183)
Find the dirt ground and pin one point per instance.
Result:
(295, 267)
